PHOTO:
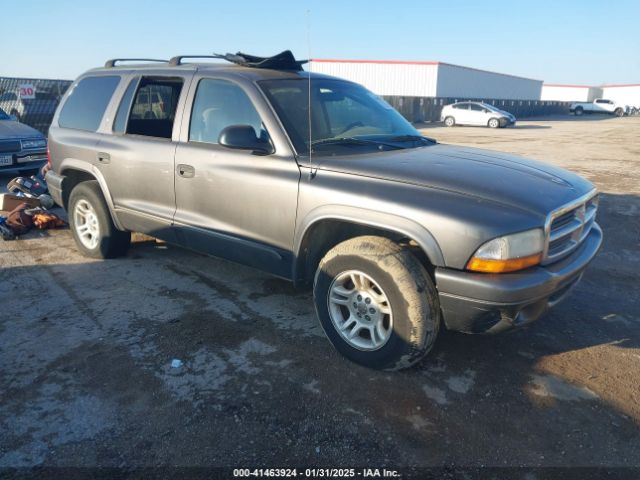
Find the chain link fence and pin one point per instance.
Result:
(31, 100)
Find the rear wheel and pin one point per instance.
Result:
(91, 225)
(494, 123)
(376, 303)
(449, 121)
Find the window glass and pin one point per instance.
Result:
(85, 105)
(461, 106)
(475, 107)
(217, 105)
(154, 107)
(120, 123)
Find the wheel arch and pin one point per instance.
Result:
(325, 228)
(75, 172)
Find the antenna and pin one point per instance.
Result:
(309, 96)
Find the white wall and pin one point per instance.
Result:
(624, 94)
(566, 93)
(384, 78)
(462, 82)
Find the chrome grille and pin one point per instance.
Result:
(568, 226)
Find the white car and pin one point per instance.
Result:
(476, 113)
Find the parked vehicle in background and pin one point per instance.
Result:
(26, 109)
(476, 113)
(599, 105)
(149, 104)
(22, 148)
(398, 235)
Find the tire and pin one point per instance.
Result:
(578, 111)
(91, 225)
(392, 287)
(493, 123)
(618, 112)
(450, 121)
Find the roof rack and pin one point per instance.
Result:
(282, 61)
(175, 61)
(112, 63)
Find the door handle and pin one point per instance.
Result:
(186, 171)
(104, 157)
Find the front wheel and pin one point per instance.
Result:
(619, 112)
(578, 111)
(91, 225)
(494, 123)
(376, 303)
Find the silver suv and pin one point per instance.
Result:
(319, 181)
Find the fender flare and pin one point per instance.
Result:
(73, 164)
(383, 221)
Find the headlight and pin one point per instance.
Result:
(509, 253)
(35, 143)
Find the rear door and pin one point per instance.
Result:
(232, 203)
(461, 112)
(137, 158)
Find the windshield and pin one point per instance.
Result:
(345, 117)
(3, 115)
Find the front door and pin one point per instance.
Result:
(233, 203)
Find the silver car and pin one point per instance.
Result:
(319, 181)
(476, 113)
(22, 148)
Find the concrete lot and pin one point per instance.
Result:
(86, 350)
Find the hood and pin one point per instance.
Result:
(11, 129)
(500, 177)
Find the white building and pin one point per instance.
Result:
(570, 93)
(430, 79)
(623, 94)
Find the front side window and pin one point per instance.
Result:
(338, 117)
(154, 107)
(87, 102)
(219, 104)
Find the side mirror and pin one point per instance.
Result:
(243, 137)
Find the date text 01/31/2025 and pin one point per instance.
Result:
(316, 472)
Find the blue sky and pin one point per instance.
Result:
(563, 41)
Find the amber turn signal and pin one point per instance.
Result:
(503, 266)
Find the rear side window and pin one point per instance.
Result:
(120, 123)
(154, 107)
(461, 106)
(85, 105)
(475, 107)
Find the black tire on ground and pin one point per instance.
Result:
(619, 112)
(493, 123)
(578, 111)
(111, 241)
(412, 298)
(450, 122)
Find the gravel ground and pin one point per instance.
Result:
(86, 349)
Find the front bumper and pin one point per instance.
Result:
(490, 303)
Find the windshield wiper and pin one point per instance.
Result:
(353, 141)
(408, 138)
